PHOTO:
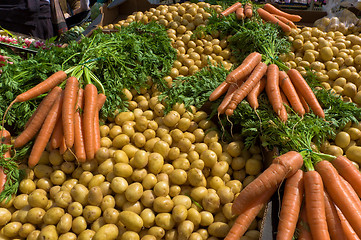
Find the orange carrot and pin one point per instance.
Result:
(229, 95)
(291, 205)
(285, 21)
(333, 220)
(246, 87)
(315, 205)
(57, 136)
(303, 227)
(62, 147)
(303, 102)
(219, 91)
(70, 94)
(42, 87)
(291, 94)
(347, 229)
(271, 9)
(90, 107)
(100, 102)
(351, 191)
(79, 147)
(268, 17)
(282, 167)
(339, 195)
(240, 13)
(45, 132)
(347, 170)
(6, 139)
(247, 66)
(231, 9)
(38, 119)
(252, 97)
(273, 89)
(248, 10)
(245, 218)
(301, 85)
(284, 98)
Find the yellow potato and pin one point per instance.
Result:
(131, 220)
(354, 154)
(108, 231)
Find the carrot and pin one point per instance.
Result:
(347, 229)
(252, 97)
(247, 66)
(303, 102)
(333, 220)
(268, 17)
(351, 191)
(240, 13)
(231, 9)
(282, 167)
(315, 205)
(284, 98)
(6, 139)
(62, 147)
(271, 9)
(347, 170)
(57, 136)
(79, 147)
(229, 95)
(248, 10)
(245, 218)
(340, 196)
(246, 87)
(273, 89)
(291, 205)
(90, 107)
(301, 85)
(100, 102)
(42, 87)
(219, 91)
(70, 95)
(45, 132)
(291, 94)
(303, 227)
(38, 119)
(285, 21)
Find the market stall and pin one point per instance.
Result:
(190, 121)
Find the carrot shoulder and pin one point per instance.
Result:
(282, 167)
(70, 94)
(45, 132)
(291, 205)
(315, 205)
(335, 188)
(273, 10)
(302, 87)
(268, 17)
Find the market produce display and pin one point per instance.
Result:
(156, 130)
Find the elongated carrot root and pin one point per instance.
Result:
(231, 9)
(273, 10)
(270, 18)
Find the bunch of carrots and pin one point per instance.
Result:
(253, 76)
(323, 201)
(268, 13)
(66, 118)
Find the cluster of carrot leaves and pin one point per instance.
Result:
(124, 59)
(248, 36)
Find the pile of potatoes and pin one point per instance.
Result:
(156, 176)
(335, 58)
(180, 21)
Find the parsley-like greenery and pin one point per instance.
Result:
(124, 59)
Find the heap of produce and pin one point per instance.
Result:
(193, 94)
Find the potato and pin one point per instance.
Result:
(49, 233)
(211, 202)
(95, 196)
(179, 213)
(27, 186)
(91, 213)
(53, 215)
(218, 229)
(65, 223)
(35, 215)
(131, 220)
(80, 193)
(342, 139)
(79, 224)
(354, 154)
(119, 185)
(12, 229)
(5, 216)
(185, 229)
(108, 231)
(37, 199)
(134, 192)
(165, 221)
